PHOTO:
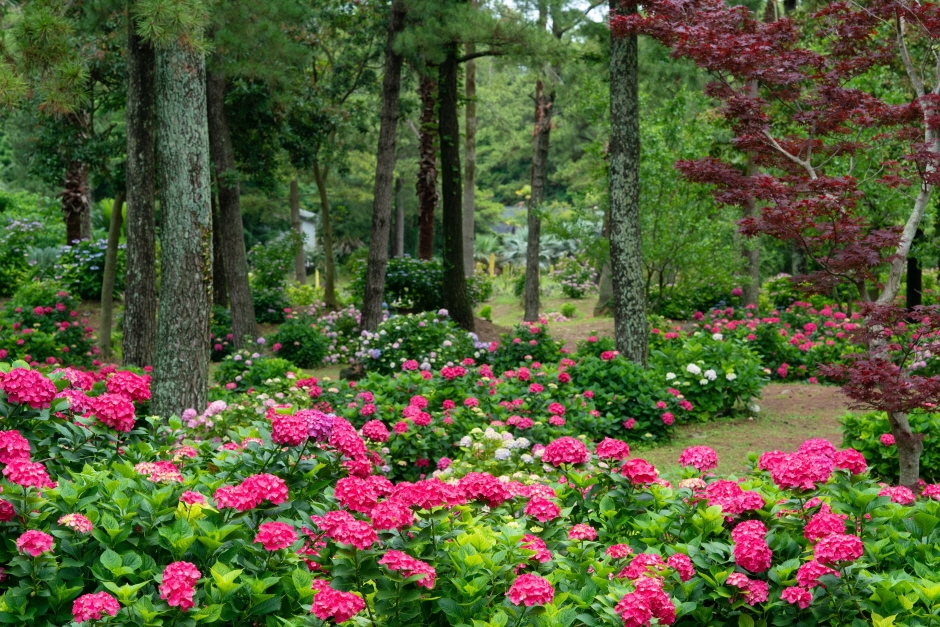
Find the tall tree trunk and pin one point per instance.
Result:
(140, 285)
(232, 236)
(384, 174)
(426, 185)
(399, 249)
(300, 259)
(456, 295)
(470, 154)
(219, 289)
(320, 175)
(626, 260)
(76, 203)
(537, 180)
(751, 246)
(110, 274)
(181, 363)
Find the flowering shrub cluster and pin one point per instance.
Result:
(16, 238)
(870, 433)
(527, 342)
(289, 518)
(577, 279)
(80, 268)
(300, 341)
(41, 325)
(245, 370)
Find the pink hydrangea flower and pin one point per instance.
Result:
(851, 460)
(899, 494)
(682, 565)
(808, 574)
(192, 498)
(94, 606)
(824, 523)
(582, 532)
(610, 448)
(797, 596)
(179, 584)
(639, 471)
(565, 450)
(619, 551)
(531, 590)
(837, 548)
(27, 474)
(409, 567)
(335, 604)
(28, 387)
(275, 535)
(542, 510)
(34, 542)
(702, 458)
(76, 522)
(887, 439)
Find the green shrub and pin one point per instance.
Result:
(300, 341)
(303, 296)
(526, 343)
(80, 268)
(715, 375)
(270, 304)
(577, 279)
(416, 285)
(595, 346)
(243, 370)
(569, 310)
(486, 312)
(430, 339)
(270, 264)
(16, 239)
(41, 324)
(863, 431)
(680, 303)
(220, 338)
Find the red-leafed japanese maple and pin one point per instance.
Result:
(829, 107)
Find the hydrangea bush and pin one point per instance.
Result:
(288, 519)
(431, 339)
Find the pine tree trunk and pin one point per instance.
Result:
(181, 363)
(626, 261)
(219, 289)
(384, 175)
(426, 185)
(75, 202)
(320, 175)
(232, 235)
(399, 249)
(110, 274)
(470, 167)
(537, 180)
(456, 295)
(140, 285)
(300, 259)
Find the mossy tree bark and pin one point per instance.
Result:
(321, 175)
(384, 175)
(232, 232)
(470, 158)
(539, 174)
(181, 363)
(426, 185)
(455, 292)
(300, 259)
(626, 261)
(140, 285)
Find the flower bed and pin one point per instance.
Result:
(288, 519)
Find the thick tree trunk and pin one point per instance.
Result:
(751, 247)
(300, 259)
(384, 174)
(626, 261)
(232, 236)
(426, 185)
(537, 180)
(110, 274)
(320, 175)
(181, 363)
(456, 295)
(470, 165)
(399, 248)
(219, 289)
(76, 203)
(140, 285)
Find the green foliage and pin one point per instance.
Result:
(862, 431)
(569, 310)
(716, 376)
(416, 285)
(303, 296)
(243, 370)
(40, 324)
(80, 268)
(270, 264)
(301, 341)
(575, 277)
(486, 312)
(430, 339)
(220, 338)
(525, 344)
(15, 240)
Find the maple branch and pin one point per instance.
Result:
(916, 81)
(806, 165)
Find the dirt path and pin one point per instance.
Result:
(790, 413)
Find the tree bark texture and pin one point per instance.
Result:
(399, 248)
(470, 158)
(219, 290)
(110, 274)
(321, 175)
(384, 175)
(426, 185)
(232, 231)
(181, 363)
(455, 292)
(751, 247)
(538, 176)
(140, 284)
(626, 261)
(76, 203)
(300, 259)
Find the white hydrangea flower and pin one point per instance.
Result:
(523, 444)
(693, 369)
(703, 381)
(731, 376)
(670, 376)
(490, 434)
(466, 441)
(502, 454)
(717, 337)
(711, 375)
(755, 408)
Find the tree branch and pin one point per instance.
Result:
(806, 165)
